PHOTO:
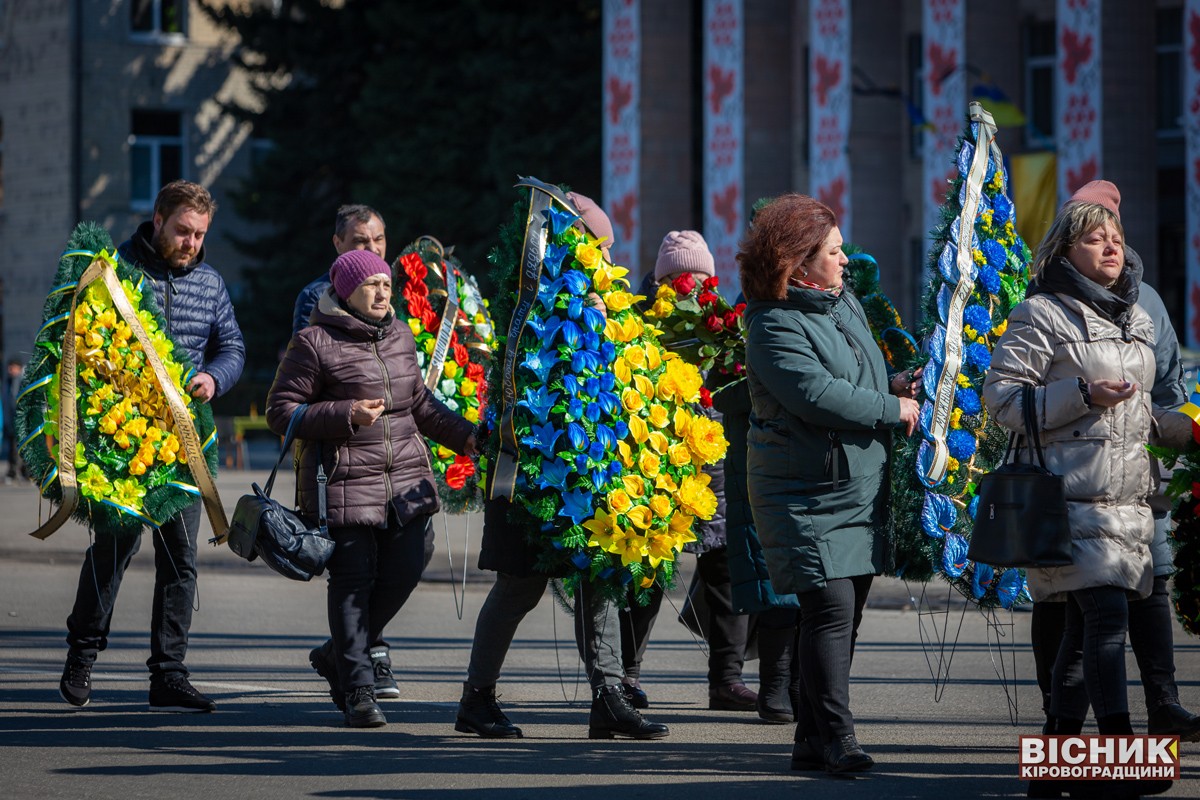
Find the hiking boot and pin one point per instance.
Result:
(361, 709)
(76, 684)
(385, 684)
(613, 716)
(479, 713)
(319, 659)
(732, 697)
(843, 754)
(635, 694)
(176, 694)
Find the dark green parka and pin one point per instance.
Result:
(819, 438)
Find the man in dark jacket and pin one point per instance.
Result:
(357, 227)
(169, 249)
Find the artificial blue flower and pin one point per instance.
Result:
(591, 387)
(608, 352)
(585, 361)
(581, 463)
(610, 403)
(606, 573)
(575, 409)
(575, 307)
(938, 515)
(615, 468)
(570, 334)
(592, 412)
(591, 341)
(599, 478)
(596, 452)
(961, 444)
(555, 253)
(539, 401)
(990, 279)
(548, 293)
(560, 219)
(1010, 588)
(607, 382)
(1002, 210)
(544, 328)
(540, 362)
(621, 429)
(577, 505)
(978, 318)
(979, 357)
(954, 556)
(995, 254)
(606, 437)
(581, 560)
(576, 282)
(973, 506)
(968, 401)
(593, 320)
(626, 576)
(981, 579)
(554, 474)
(542, 438)
(577, 436)
(570, 384)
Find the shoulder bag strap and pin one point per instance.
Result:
(1028, 403)
(288, 438)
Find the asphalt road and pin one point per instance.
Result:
(276, 735)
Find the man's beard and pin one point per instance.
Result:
(169, 253)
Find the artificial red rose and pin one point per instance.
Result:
(739, 309)
(418, 307)
(461, 357)
(684, 283)
(430, 320)
(475, 371)
(414, 267)
(707, 298)
(731, 319)
(714, 323)
(738, 369)
(705, 397)
(711, 283)
(458, 472)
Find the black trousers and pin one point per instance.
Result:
(104, 566)
(371, 574)
(829, 620)
(1150, 637)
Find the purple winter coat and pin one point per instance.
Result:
(340, 359)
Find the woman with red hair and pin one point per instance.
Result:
(818, 449)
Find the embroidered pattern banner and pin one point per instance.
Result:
(1077, 95)
(622, 126)
(1191, 127)
(829, 99)
(944, 99)
(723, 140)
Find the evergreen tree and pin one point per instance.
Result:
(426, 111)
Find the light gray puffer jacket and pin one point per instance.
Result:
(1051, 341)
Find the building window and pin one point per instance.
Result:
(1168, 56)
(157, 18)
(155, 154)
(1040, 50)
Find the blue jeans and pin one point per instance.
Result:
(104, 566)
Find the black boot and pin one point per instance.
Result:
(478, 712)
(807, 754)
(613, 716)
(843, 754)
(1173, 719)
(775, 648)
(1117, 725)
(362, 710)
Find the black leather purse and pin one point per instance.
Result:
(285, 541)
(1021, 519)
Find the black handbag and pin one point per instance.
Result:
(261, 527)
(1021, 518)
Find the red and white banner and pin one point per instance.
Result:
(622, 127)
(944, 100)
(1191, 127)
(1078, 95)
(724, 106)
(829, 101)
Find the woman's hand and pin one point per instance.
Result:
(907, 383)
(1108, 393)
(365, 412)
(910, 414)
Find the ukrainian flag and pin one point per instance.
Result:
(1192, 406)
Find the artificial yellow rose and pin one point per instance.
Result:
(648, 464)
(664, 292)
(414, 325)
(632, 400)
(634, 485)
(122, 334)
(153, 434)
(107, 319)
(618, 501)
(468, 387)
(94, 406)
(620, 300)
(635, 356)
(622, 372)
(639, 516)
(680, 455)
(430, 343)
(695, 498)
(589, 257)
(706, 439)
(136, 427)
(122, 439)
(661, 505)
(661, 308)
(658, 441)
(450, 369)
(659, 417)
(108, 425)
(471, 415)
(638, 429)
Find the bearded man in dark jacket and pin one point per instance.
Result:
(169, 249)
